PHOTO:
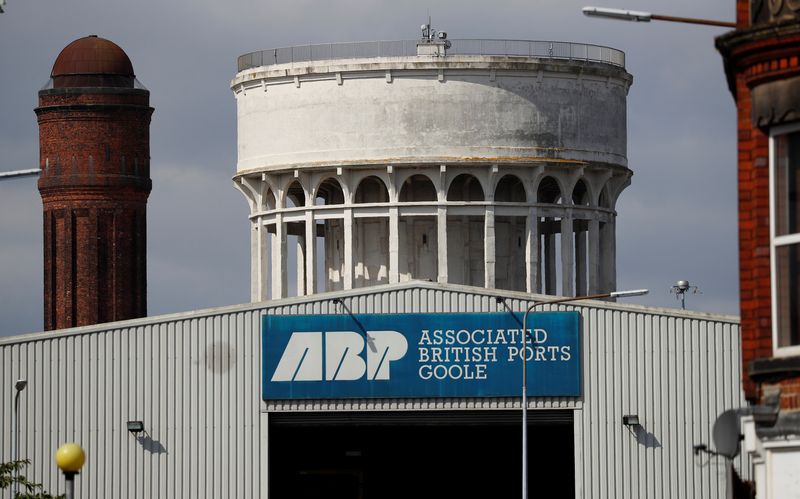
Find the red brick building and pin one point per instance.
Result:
(94, 136)
(762, 62)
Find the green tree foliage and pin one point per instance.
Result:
(27, 489)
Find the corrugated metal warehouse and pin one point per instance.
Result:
(196, 381)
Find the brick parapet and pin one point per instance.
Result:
(789, 389)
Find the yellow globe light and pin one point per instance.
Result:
(70, 457)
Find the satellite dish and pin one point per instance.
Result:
(727, 434)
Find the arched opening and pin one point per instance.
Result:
(510, 189)
(295, 195)
(510, 236)
(465, 187)
(417, 188)
(370, 236)
(417, 234)
(465, 233)
(580, 194)
(269, 200)
(371, 190)
(329, 192)
(549, 191)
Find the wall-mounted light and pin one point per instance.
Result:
(630, 420)
(135, 426)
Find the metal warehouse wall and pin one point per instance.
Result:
(194, 379)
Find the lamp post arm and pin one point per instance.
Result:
(692, 20)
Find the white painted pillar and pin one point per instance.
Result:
(580, 263)
(259, 258)
(255, 261)
(301, 265)
(594, 256)
(567, 255)
(394, 245)
(489, 258)
(311, 253)
(279, 259)
(349, 241)
(532, 247)
(441, 242)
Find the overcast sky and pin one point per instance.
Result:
(676, 221)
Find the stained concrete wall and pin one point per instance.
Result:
(412, 109)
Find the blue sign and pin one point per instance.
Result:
(419, 355)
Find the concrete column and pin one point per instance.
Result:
(441, 235)
(394, 246)
(349, 241)
(259, 261)
(279, 259)
(310, 253)
(580, 263)
(594, 257)
(612, 259)
(567, 255)
(489, 258)
(550, 286)
(532, 247)
(255, 261)
(301, 265)
(608, 257)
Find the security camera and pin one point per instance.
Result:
(442, 35)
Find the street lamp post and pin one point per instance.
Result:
(614, 294)
(19, 386)
(70, 458)
(646, 17)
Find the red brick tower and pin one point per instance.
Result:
(94, 142)
(762, 62)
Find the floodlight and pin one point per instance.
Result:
(622, 14)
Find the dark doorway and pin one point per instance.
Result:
(419, 455)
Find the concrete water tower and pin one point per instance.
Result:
(494, 163)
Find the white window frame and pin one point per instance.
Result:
(775, 242)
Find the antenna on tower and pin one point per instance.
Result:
(681, 288)
(430, 35)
